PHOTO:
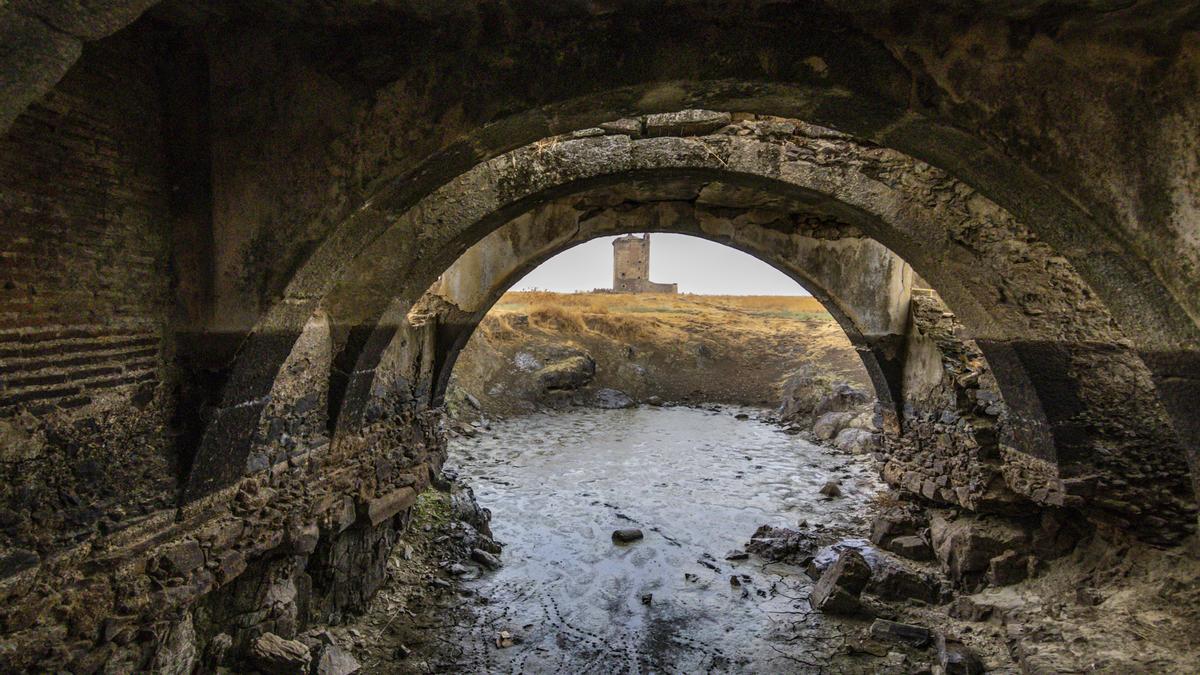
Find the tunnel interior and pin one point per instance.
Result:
(245, 243)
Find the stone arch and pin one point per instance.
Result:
(832, 264)
(1021, 302)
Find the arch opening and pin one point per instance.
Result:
(1016, 299)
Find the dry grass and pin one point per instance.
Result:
(552, 309)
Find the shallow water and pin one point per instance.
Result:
(698, 483)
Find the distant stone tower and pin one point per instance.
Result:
(631, 266)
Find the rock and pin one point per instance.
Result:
(686, 123)
(897, 520)
(183, 558)
(611, 399)
(377, 510)
(892, 579)
(217, 651)
(1008, 568)
(966, 609)
(458, 569)
(966, 546)
(955, 658)
(647, 598)
(831, 424)
(842, 398)
(486, 559)
(910, 546)
(335, 661)
(655, 401)
(737, 554)
(272, 654)
(625, 536)
(568, 374)
(623, 127)
(856, 441)
(504, 639)
(177, 654)
(831, 489)
(782, 544)
(837, 591)
(907, 633)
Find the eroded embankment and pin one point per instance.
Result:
(538, 350)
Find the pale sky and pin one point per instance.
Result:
(697, 265)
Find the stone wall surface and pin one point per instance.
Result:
(300, 166)
(85, 376)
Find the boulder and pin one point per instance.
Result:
(965, 546)
(897, 520)
(910, 546)
(782, 544)
(857, 441)
(335, 661)
(842, 398)
(1008, 568)
(612, 399)
(837, 591)
(568, 374)
(892, 579)
(955, 658)
(273, 654)
(831, 424)
(486, 559)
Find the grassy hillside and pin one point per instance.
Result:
(732, 349)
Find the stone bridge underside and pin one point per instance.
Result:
(218, 217)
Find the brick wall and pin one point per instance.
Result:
(84, 303)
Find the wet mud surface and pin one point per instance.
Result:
(697, 482)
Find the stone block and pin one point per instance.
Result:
(277, 656)
(686, 123)
(907, 633)
(836, 592)
(381, 508)
(183, 558)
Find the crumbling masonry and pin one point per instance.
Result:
(215, 411)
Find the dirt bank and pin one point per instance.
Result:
(537, 349)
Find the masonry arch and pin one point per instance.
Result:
(864, 286)
(1022, 303)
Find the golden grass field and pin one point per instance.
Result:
(717, 348)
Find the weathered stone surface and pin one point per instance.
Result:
(273, 654)
(911, 547)
(1079, 274)
(836, 592)
(895, 631)
(782, 544)
(965, 546)
(627, 126)
(611, 399)
(626, 535)
(381, 508)
(955, 658)
(334, 660)
(489, 560)
(830, 424)
(568, 374)
(857, 441)
(686, 123)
